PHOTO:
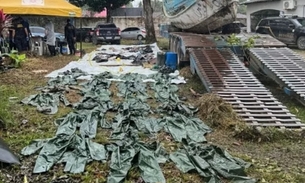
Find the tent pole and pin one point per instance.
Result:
(81, 38)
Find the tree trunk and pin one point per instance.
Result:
(149, 22)
(108, 15)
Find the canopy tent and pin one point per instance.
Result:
(60, 8)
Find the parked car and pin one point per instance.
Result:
(288, 29)
(138, 33)
(86, 34)
(107, 32)
(40, 31)
(234, 27)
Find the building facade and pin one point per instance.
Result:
(257, 9)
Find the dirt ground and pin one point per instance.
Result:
(279, 159)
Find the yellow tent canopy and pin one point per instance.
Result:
(60, 8)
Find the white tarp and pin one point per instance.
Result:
(122, 66)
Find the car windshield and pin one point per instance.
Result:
(301, 21)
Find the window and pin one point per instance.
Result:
(263, 23)
(285, 23)
(126, 30)
(106, 26)
(273, 22)
(134, 29)
(40, 30)
(301, 21)
(37, 30)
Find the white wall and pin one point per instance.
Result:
(274, 5)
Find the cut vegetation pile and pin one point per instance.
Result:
(139, 135)
(217, 112)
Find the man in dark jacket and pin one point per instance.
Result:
(27, 26)
(20, 35)
(70, 36)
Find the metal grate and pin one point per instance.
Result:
(250, 99)
(284, 66)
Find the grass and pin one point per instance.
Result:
(88, 47)
(162, 43)
(278, 160)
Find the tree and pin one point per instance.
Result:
(79, 3)
(157, 5)
(129, 5)
(100, 5)
(242, 8)
(149, 22)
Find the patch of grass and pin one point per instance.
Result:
(114, 91)
(130, 42)
(25, 123)
(173, 175)
(193, 82)
(294, 106)
(4, 105)
(95, 172)
(267, 134)
(167, 142)
(163, 44)
(269, 170)
(102, 136)
(281, 149)
(73, 96)
(133, 175)
(88, 47)
(10, 97)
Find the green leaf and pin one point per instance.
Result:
(14, 51)
(22, 57)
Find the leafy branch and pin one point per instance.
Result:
(17, 58)
(248, 43)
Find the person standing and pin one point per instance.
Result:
(20, 35)
(11, 39)
(11, 31)
(27, 26)
(70, 36)
(49, 28)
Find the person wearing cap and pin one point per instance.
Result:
(49, 28)
(70, 36)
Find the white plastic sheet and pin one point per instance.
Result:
(114, 66)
